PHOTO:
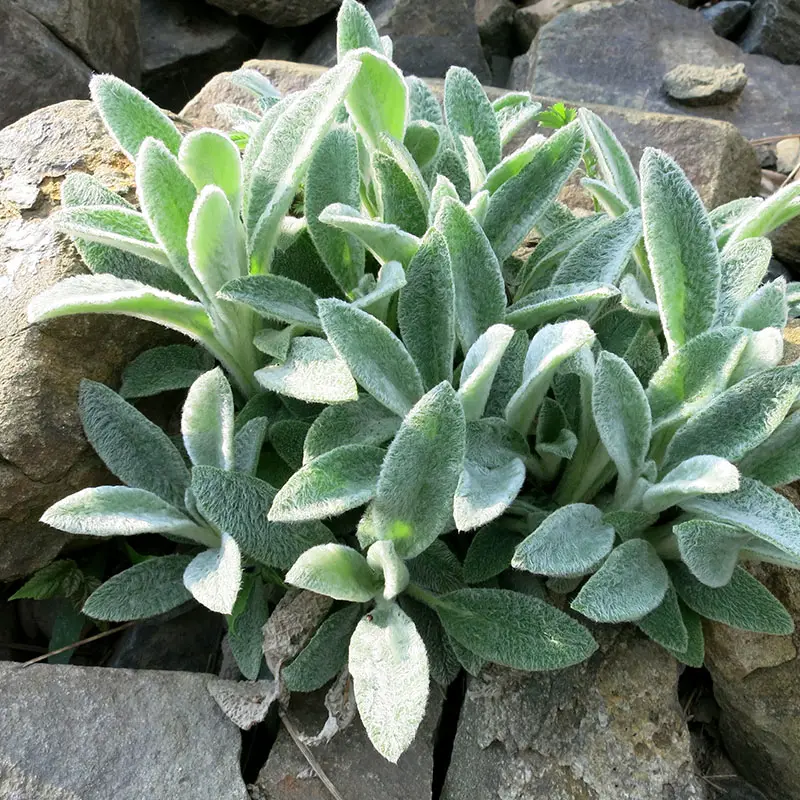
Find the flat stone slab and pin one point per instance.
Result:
(92, 733)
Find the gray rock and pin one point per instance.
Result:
(43, 453)
(349, 760)
(495, 21)
(716, 157)
(104, 33)
(429, 37)
(88, 733)
(757, 685)
(36, 69)
(618, 54)
(609, 729)
(184, 44)
(188, 641)
(774, 30)
(280, 13)
(787, 155)
(727, 17)
(533, 16)
(692, 85)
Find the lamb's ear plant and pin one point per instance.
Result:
(609, 414)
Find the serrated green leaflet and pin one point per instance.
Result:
(414, 501)
(742, 603)
(144, 590)
(336, 571)
(573, 540)
(389, 666)
(631, 583)
(375, 356)
(330, 484)
(513, 629)
(683, 254)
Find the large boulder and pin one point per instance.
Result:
(353, 765)
(43, 453)
(757, 685)
(619, 53)
(279, 13)
(429, 37)
(36, 69)
(104, 33)
(774, 30)
(716, 157)
(608, 729)
(184, 44)
(88, 733)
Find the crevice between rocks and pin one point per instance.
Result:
(446, 733)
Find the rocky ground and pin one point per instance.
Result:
(718, 87)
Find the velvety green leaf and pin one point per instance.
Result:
(743, 603)
(364, 421)
(375, 356)
(288, 436)
(514, 116)
(613, 162)
(248, 443)
(694, 653)
(691, 377)
(683, 254)
(426, 310)
(695, 476)
(148, 589)
(726, 217)
(135, 450)
(601, 257)
(423, 104)
(312, 372)
(631, 583)
(324, 657)
(490, 553)
(414, 501)
(333, 177)
(382, 557)
(548, 349)
(605, 197)
(239, 504)
(635, 299)
(245, 636)
(122, 511)
(399, 203)
(276, 298)
(739, 419)
(665, 625)
(509, 375)
(391, 279)
(284, 157)
(480, 367)
(209, 157)
(777, 209)
(378, 98)
(207, 421)
(469, 113)
(754, 508)
(480, 298)
(386, 242)
(776, 461)
(553, 435)
(450, 165)
(167, 198)
(422, 141)
(513, 629)
(389, 666)
(484, 493)
(213, 577)
(764, 350)
(512, 164)
(518, 204)
(442, 662)
(547, 304)
(743, 267)
(765, 308)
(332, 483)
(162, 369)
(436, 569)
(336, 571)
(574, 540)
(710, 549)
(130, 117)
(355, 29)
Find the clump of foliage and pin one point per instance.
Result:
(610, 414)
